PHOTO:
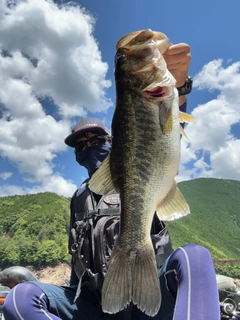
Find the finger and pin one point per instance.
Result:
(180, 59)
(178, 48)
(178, 62)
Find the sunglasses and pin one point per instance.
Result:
(90, 142)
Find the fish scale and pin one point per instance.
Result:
(138, 172)
(143, 162)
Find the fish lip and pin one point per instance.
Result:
(124, 41)
(160, 92)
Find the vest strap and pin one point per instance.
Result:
(98, 212)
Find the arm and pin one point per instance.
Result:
(73, 277)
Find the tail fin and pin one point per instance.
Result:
(132, 276)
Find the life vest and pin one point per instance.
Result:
(94, 229)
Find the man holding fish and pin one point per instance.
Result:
(143, 277)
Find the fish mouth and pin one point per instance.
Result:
(143, 36)
(160, 92)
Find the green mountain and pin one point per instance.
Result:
(214, 221)
(34, 228)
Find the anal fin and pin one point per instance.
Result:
(174, 205)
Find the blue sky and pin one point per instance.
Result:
(56, 65)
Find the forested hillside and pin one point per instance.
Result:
(34, 228)
(214, 221)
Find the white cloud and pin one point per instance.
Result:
(214, 150)
(53, 50)
(9, 190)
(53, 183)
(51, 70)
(57, 184)
(32, 144)
(5, 175)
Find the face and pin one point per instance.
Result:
(90, 139)
(91, 149)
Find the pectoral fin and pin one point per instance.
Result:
(185, 117)
(174, 206)
(101, 181)
(183, 132)
(165, 119)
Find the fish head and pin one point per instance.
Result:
(139, 63)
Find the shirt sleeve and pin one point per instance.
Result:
(183, 108)
(72, 221)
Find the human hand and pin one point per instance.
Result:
(178, 59)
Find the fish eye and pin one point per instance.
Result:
(119, 58)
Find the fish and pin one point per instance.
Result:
(141, 167)
(12, 276)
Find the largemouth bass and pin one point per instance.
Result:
(142, 165)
